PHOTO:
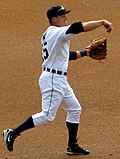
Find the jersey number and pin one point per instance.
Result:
(45, 51)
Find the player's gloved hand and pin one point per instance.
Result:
(98, 48)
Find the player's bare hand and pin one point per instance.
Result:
(107, 25)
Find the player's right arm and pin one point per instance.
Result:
(78, 27)
(91, 25)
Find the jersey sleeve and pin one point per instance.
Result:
(67, 32)
(75, 28)
(61, 33)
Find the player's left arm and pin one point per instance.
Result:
(74, 55)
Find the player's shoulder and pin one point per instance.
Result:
(56, 31)
(55, 28)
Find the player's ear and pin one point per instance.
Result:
(54, 19)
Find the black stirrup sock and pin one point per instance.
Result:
(72, 133)
(28, 124)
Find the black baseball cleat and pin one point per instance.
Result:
(77, 150)
(9, 136)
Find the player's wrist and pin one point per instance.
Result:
(83, 53)
(88, 52)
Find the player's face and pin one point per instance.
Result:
(60, 20)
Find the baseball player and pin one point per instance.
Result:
(53, 81)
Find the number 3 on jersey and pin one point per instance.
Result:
(45, 51)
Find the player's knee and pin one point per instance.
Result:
(49, 119)
(42, 118)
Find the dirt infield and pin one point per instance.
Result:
(96, 84)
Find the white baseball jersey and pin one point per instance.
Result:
(55, 88)
(55, 47)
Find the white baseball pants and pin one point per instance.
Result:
(56, 92)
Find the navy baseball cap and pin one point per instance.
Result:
(55, 11)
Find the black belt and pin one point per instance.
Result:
(54, 71)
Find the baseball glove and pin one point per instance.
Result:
(98, 48)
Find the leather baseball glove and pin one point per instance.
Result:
(98, 48)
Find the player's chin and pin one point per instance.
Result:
(65, 23)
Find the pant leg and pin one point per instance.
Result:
(72, 106)
(51, 101)
(52, 97)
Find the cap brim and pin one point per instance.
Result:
(65, 12)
